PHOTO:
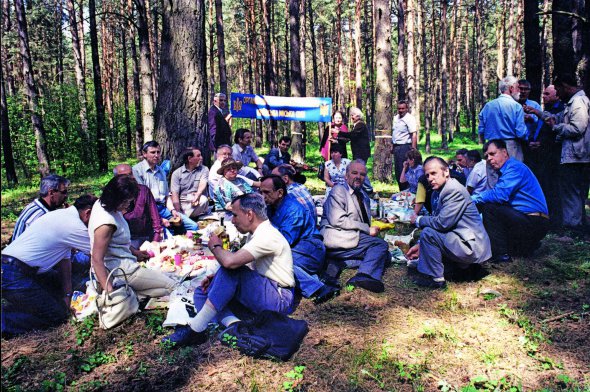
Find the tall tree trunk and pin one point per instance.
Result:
(358, 79)
(146, 71)
(287, 52)
(269, 76)
(544, 47)
(211, 51)
(98, 99)
(340, 96)
(382, 161)
(501, 37)
(411, 58)
(368, 31)
(401, 50)
(59, 61)
(444, 94)
(427, 99)
(297, 146)
(80, 75)
(128, 136)
(31, 89)
(137, 100)
(532, 48)
(220, 47)
(511, 37)
(181, 115)
(314, 52)
(302, 51)
(152, 23)
(6, 142)
(81, 37)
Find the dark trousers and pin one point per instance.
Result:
(308, 264)
(30, 301)
(574, 182)
(399, 156)
(371, 255)
(544, 163)
(511, 231)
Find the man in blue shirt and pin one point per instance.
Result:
(531, 121)
(299, 191)
(503, 118)
(278, 156)
(514, 211)
(297, 225)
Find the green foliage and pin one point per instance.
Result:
(482, 383)
(295, 377)
(154, 320)
(9, 373)
(58, 383)
(97, 359)
(84, 329)
(230, 340)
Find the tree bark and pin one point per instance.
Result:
(340, 96)
(98, 98)
(6, 142)
(80, 75)
(146, 71)
(31, 89)
(137, 100)
(128, 135)
(411, 58)
(220, 47)
(181, 118)
(297, 146)
(444, 73)
(269, 75)
(511, 39)
(211, 52)
(358, 79)
(532, 48)
(382, 161)
(427, 99)
(401, 50)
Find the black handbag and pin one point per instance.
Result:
(321, 169)
(270, 335)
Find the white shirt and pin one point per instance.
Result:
(403, 129)
(214, 177)
(50, 239)
(118, 248)
(478, 178)
(272, 254)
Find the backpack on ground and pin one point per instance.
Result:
(270, 335)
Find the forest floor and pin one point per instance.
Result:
(523, 327)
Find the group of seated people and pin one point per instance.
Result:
(287, 254)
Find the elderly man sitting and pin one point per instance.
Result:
(268, 285)
(454, 231)
(348, 234)
(188, 186)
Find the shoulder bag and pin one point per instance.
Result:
(118, 305)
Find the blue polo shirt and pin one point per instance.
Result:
(293, 221)
(502, 118)
(518, 187)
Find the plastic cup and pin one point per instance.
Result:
(178, 259)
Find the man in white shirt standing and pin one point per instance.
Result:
(404, 137)
(30, 298)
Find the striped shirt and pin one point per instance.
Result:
(303, 196)
(32, 212)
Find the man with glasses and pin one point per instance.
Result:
(530, 120)
(53, 194)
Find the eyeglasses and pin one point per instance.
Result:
(62, 191)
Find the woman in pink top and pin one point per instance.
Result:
(333, 135)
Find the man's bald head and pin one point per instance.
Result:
(123, 168)
(550, 95)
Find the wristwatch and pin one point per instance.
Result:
(216, 245)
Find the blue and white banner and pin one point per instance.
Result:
(266, 107)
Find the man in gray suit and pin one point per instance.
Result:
(350, 239)
(454, 233)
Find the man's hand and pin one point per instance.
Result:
(175, 214)
(550, 121)
(141, 255)
(206, 282)
(413, 252)
(373, 231)
(165, 222)
(413, 218)
(214, 240)
(196, 198)
(406, 164)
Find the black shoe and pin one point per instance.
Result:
(331, 281)
(428, 282)
(185, 336)
(326, 293)
(505, 258)
(366, 282)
